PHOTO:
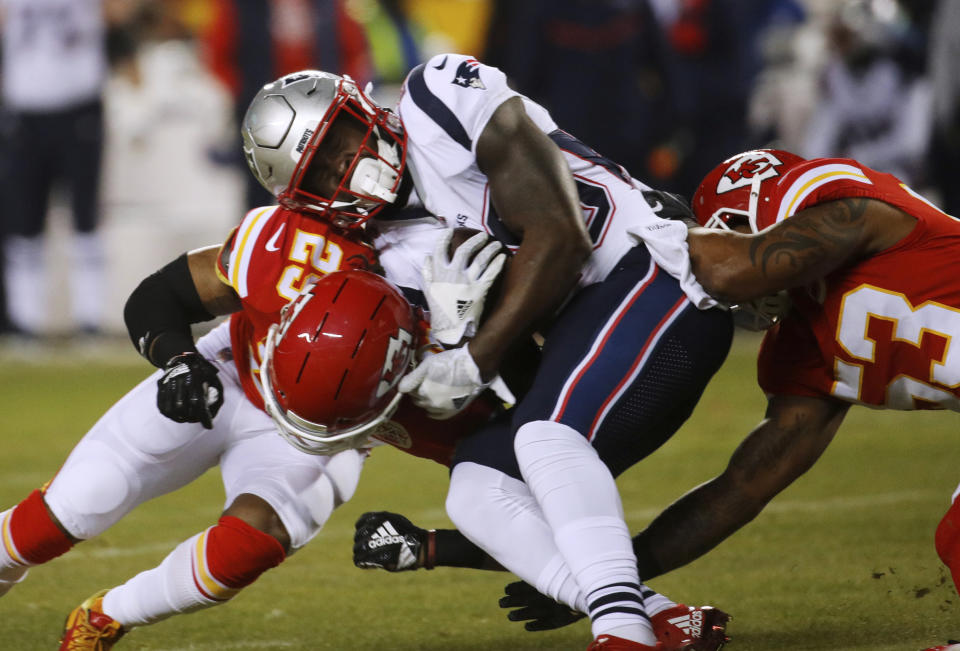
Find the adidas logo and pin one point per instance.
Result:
(385, 535)
(462, 307)
(691, 623)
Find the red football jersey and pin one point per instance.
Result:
(267, 260)
(879, 332)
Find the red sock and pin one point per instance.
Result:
(947, 541)
(30, 535)
(238, 553)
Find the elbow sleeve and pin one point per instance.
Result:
(159, 312)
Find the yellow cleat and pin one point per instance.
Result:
(88, 628)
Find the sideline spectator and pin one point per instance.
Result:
(54, 67)
(944, 158)
(874, 108)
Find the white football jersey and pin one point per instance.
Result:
(54, 55)
(445, 105)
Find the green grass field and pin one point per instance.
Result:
(843, 559)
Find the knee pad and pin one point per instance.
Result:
(320, 500)
(343, 469)
(461, 498)
(544, 446)
(91, 492)
(29, 534)
(237, 553)
(538, 437)
(335, 486)
(489, 507)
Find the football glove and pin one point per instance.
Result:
(456, 288)
(387, 541)
(539, 611)
(444, 383)
(668, 205)
(189, 390)
(762, 313)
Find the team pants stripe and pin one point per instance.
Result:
(648, 346)
(600, 342)
(623, 324)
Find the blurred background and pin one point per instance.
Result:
(119, 146)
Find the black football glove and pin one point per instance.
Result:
(189, 390)
(668, 205)
(544, 613)
(387, 541)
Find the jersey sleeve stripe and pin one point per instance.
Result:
(813, 179)
(242, 252)
(435, 109)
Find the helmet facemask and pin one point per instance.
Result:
(349, 190)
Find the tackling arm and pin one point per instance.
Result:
(158, 315)
(533, 192)
(160, 310)
(739, 267)
(794, 433)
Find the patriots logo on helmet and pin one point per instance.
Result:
(468, 75)
(747, 167)
(294, 78)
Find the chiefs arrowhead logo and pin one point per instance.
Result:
(746, 168)
(396, 361)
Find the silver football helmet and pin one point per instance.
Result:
(284, 127)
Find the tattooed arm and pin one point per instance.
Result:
(738, 267)
(793, 434)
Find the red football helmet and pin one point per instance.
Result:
(739, 190)
(331, 366)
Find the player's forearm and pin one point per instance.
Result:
(452, 549)
(693, 525)
(794, 433)
(535, 198)
(541, 275)
(721, 263)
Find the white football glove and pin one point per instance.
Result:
(455, 290)
(444, 383)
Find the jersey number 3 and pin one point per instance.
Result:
(910, 325)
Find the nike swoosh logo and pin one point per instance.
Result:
(272, 242)
(442, 64)
(657, 208)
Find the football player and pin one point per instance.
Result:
(203, 407)
(630, 338)
(316, 384)
(835, 243)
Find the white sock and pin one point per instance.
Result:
(87, 280)
(168, 589)
(579, 499)
(654, 602)
(12, 570)
(500, 515)
(25, 282)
